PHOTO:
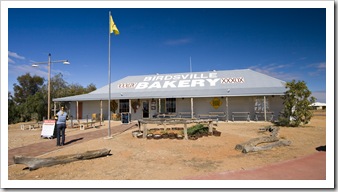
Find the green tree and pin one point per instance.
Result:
(296, 102)
(58, 86)
(30, 96)
(75, 89)
(27, 88)
(13, 114)
(28, 85)
(36, 106)
(91, 87)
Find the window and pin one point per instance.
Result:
(124, 105)
(259, 105)
(170, 105)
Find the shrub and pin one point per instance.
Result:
(197, 129)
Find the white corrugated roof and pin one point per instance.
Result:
(318, 104)
(244, 82)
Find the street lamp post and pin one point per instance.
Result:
(49, 66)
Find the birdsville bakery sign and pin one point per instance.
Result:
(181, 81)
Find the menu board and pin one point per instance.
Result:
(48, 129)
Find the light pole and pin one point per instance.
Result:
(49, 65)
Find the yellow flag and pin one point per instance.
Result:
(112, 26)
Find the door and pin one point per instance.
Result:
(145, 109)
(79, 110)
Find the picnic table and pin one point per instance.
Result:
(84, 123)
(31, 126)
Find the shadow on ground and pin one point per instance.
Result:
(321, 148)
(72, 141)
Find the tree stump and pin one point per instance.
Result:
(34, 163)
(251, 145)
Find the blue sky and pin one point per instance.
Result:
(286, 43)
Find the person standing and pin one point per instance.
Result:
(61, 117)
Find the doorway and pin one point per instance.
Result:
(145, 109)
(79, 112)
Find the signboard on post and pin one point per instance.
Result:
(48, 129)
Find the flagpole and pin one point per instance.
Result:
(109, 80)
(190, 65)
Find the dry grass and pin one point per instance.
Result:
(168, 159)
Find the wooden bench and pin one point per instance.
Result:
(185, 114)
(166, 115)
(218, 115)
(269, 115)
(203, 116)
(213, 115)
(241, 115)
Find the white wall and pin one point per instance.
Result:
(138, 113)
(241, 104)
(201, 106)
(183, 105)
(90, 107)
(72, 109)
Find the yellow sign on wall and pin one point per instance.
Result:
(216, 102)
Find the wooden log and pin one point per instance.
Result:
(279, 143)
(34, 163)
(255, 141)
(265, 139)
(251, 145)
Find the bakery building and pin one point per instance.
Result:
(229, 95)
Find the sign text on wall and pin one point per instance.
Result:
(181, 81)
